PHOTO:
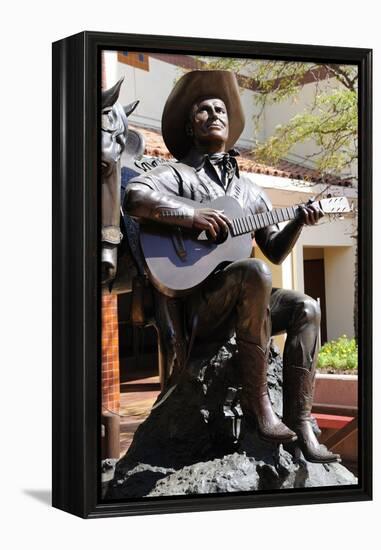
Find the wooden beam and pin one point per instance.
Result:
(342, 434)
(328, 408)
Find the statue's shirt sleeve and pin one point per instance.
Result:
(154, 196)
(161, 179)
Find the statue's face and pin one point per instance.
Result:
(209, 123)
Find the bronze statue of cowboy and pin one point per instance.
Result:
(202, 120)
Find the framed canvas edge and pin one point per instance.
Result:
(76, 292)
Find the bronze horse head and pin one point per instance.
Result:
(114, 130)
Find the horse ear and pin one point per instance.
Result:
(110, 96)
(130, 108)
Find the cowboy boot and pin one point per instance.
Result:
(315, 427)
(255, 398)
(298, 384)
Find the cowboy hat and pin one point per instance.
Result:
(191, 87)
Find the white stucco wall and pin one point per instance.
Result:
(333, 239)
(110, 67)
(339, 270)
(151, 88)
(326, 234)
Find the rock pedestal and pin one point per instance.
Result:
(196, 440)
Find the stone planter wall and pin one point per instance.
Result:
(339, 390)
(336, 389)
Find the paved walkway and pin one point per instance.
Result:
(136, 400)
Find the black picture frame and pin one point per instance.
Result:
(76, 289)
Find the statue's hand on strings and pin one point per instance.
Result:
(214, 222)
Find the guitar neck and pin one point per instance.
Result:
(248, 224)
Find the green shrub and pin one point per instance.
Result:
(340, 354)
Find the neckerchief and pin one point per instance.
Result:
(226, 163)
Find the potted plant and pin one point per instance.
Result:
(336, 379)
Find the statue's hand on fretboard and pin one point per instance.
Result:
(309, 213)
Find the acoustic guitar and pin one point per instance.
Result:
(178, 260)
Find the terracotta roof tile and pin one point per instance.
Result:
(155, 147)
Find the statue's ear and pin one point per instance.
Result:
(130, 108)
(110, 96)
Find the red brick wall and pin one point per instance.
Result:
(110, 354)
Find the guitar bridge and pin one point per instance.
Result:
(202, 236)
